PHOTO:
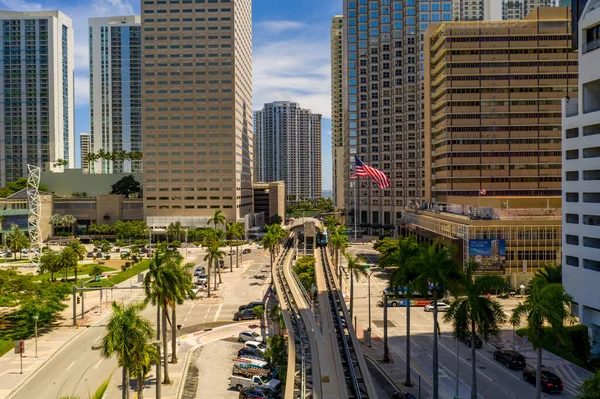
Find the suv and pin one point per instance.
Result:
(246, 251)
(550, 381)
(244, 314)
(511, 359)
(251, 305)
(256, 393)
(466, 339)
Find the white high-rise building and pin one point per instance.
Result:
(116, 92)
(85, 147)
(581, 180)
(518, 9)
(36, 92)
(287, 146)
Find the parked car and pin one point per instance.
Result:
(99, 255)
(232, 252)
(202, 279)
(221, 263)
(107, 256)
(442, 307)
(240, 382)
(244, 314)
(256, 393)
(466, 339)
(8, 254)
(252, 305)
(246, 251)
(245, 352)
(250, 336)
(550, 381)
(256, 345)
(90, 255)
(199, 270)
(511, 359)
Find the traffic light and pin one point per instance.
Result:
(78, 300)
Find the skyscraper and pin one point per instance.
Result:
(472, 10)
(36, 92)
(519, 9)
(383, 102)
(287, 146)
(337, 139)
(85, 145)
(197, 104)
(115, 91)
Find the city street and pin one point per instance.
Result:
(493, 378)
(78, 368)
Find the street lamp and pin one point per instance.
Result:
(158, 366)
(369, 297)
(36, 318)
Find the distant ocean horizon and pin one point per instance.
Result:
(327, 193)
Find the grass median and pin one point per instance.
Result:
(81, 270)
(5, 346)
(121, 276)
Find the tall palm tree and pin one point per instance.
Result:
(230, 235)
(438, 271)
(213, 239)
(56, 221)
(143, 365)
(474, 313)
(80, 250)
(403, 276)
(69, 220)
(356, 268)
(218, 219)
(238, 232)
(338, 240)
(184, 278)
(67, 259)
(270, 242)
(127, 334)
(174, 230)
(551, 273)
(48, 263)
(330, 222)
(213, 256)
(17, 240)
(545, 304)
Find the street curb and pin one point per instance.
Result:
(184, 372)
(20, 385)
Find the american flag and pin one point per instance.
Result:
(482, 192)
(378, 176)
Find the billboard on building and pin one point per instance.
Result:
(490, 254)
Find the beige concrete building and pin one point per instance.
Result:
(85, 145)
(493, 95)
(197, 109)
(269, 198)
(337, 120)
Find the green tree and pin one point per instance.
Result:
(238, 232)
(338, 240)
(127, 335)
(590, 388)
(275, 317)
(474, 313)
(401, 255)
(98, 394)
(48, 263)
(259, 312)
(270, 242)
(17, 240)
(545, 304)
(175, 230)
(69, 221)
(66, 260)
(230, 235)
(331, 222)
(551, 273)
(275, 219)
(143, 365)
(218, 219)
(126, 186)
(276, 352)
(96, 271)
(438, 269)
(80, 250)
(213, 256)
(356, 268)
(16, 186)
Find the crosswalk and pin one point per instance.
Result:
(567, 374)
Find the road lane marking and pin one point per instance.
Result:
(70, 365)
(99, 336)
(98, 364)
(244, 293)
(454, 353)
(207, 312)
(218, 312)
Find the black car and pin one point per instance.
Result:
(244, 314)
(403, 395)
(90, 255)
(246, 251)
(256, 393)
(550, 381)
(246, 351)
(251, 305)
(511, 359)
(466, 339)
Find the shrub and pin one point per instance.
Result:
(578, 336)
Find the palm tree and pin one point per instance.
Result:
(67, 259)
(551, 273)
(80, 250)
(127, 335)
(339, 242)
(590, 388)
(56, 221)
(143, 365)
(230, 235)
(174, 230)
(331, 222)
(17, 240)
(403, 276)
(356, 267)
(213, 256)
(474, 313)
(213, 239)
(218, 219)
(545, 304)
(184, 278)
(438, 271)
(99, 394)
(270, 242)
(69, 220)
(48, 263)
(238, 232)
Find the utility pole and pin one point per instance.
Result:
(36, 318)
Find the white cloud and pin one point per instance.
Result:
(296, 70)
(278, 26)
(21, 5)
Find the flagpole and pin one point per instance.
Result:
(355, 206)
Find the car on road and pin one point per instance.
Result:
(550, 381)
(232, 252)
(466, 339)
(256, 345)
(259, 246)
(202, 279)
(511, 359)
(251, 305)
(250, 336)
(244, 314)
(199, 270)
(244, 352)
(256, 393)
(442, 307)
(99, 255)
(90, 255)
(246, 251)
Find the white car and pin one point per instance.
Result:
(442, 307)
(250, 336)
(256, 345)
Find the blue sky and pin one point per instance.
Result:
(290, 45)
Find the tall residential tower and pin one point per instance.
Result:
(197, 107)
(337, 138)
(36, 92)
(85, 146)
(115, 91)
(287, 146)
(519, 9)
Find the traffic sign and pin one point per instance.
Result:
(366, 266)
(19, 346)
(97, 278)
